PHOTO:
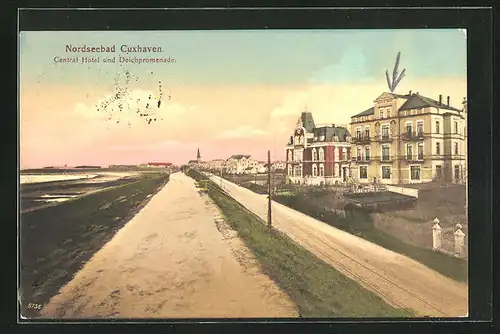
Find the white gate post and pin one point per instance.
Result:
(437, 235)
(459, 241)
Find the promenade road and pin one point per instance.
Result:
(399, 280)
(174, 259)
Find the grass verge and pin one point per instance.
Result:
(317, 289)
(359, 223)
(56, 241)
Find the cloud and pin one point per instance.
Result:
(241, 132)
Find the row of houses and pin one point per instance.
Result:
(400, 139)
(236, 164)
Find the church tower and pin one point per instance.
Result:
(198, 156)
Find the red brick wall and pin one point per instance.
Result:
(307, 167)
(329, 159)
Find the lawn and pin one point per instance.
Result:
(317, 289)
(56, 241)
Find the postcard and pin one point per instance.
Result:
(208, 174)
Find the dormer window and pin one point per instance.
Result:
(335, 138)
(321, 138)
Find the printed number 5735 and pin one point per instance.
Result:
(35, 306)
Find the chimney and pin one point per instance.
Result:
(448, 101)
(409, 93)
(440, 99)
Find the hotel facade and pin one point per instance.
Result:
(409, 139)
(317, 155)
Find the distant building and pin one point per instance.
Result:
(159, 164)
(216, 164)
(317, 154)
(278, 166)
(410, 139)
(196, 163)
(236, 164)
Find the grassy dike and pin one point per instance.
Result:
(359, 223)
(317, 289)
(56, 241)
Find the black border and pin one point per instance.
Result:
(477, 21)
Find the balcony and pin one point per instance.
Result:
(361, 139)
(382, 159)
(384, 138)
(412, 135)
(359, 159)
(414, 158)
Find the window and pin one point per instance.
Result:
(367, 133)
(420, 151)
(321, 154)
(420, 128)
(367, 153)
(382, 113)
(456, 127)
(298, 171)
(321, 170)
(415, 172)
(315, 170)
(438, 148)
(456, 148)
(386, 172)
(409, 152)
(439, 172)
(297, 155)
(408, 128)
(385, 152)
(313, 154)
(359, 154)
(290, 170)
(358, 133)
(457, 173)
(344, 154)
(388, 112)
(385, 131)
(437, 127)
(363, 172)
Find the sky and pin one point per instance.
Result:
(228, 92)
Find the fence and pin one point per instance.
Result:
(403, 191)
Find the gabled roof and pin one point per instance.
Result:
(419, 101)
(412, 101)
(193, 161)
(239, 156)
(367, 112)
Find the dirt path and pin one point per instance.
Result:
(399, 280)
(175, 258)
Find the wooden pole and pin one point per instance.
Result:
(269, 224)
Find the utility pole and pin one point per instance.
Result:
(269, 189)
